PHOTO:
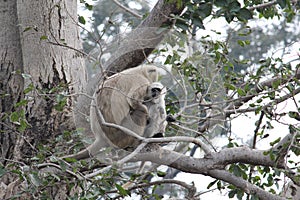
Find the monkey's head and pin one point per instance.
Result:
(150, 72)
(154, 91)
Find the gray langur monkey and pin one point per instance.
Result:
(155, 102)
(120, 100)
(156, 124)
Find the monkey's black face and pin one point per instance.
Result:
(158, 135)
(155, 92)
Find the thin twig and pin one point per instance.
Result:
(127, 9)
(205, 148)
(264, 5)
(78, 176)
(191, 188)
(118, 163)
(254, 146)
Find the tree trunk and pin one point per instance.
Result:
(11, 82)
(37, 41)
(52, 66)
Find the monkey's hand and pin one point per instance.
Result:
(139, 115)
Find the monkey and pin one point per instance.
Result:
(120, 100)
(155, 102)
(156, 124)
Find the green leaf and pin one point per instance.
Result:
(70, 160)
(14, 117)
(275, 141)
(198, 22)
(21, 103)
(282, 3)
(204, 10)
(241, 43)
(240, 194)
(2, 171)
(182, 24)
(236, 169)
(61, 102)
(122, 191)
(259, 100)
(266, 153)
(229, 86)
(219, 185)
(244, 14)
(294, 115)
(29, 88)
(23, 125)
(234, 7)
(276, 84)
(161, 174)
(88, 6)
(241, 92)
(81, 19)
(27, 29)
(43, 37)
(63, 165)
(211, 184)
(228, 16)
(60, 97)
(231, 194)
(247, 42)
(220, 3)
(271, 95)
(35, 179)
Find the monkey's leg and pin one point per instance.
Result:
(136, 121)
(99, 143)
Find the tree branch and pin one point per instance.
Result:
(234, 105)
(214, 165)
(215, 160)
(261, 87)
(138, 44)
(127, 9)
(264, 5)
(191, 188)
(243, 184)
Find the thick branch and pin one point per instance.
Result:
(214, 165)
(216, 160)
(138, 44)
(243, 184)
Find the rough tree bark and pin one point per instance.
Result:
(11, 85)
(50, 66)
(11, 82)
(33, 40)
